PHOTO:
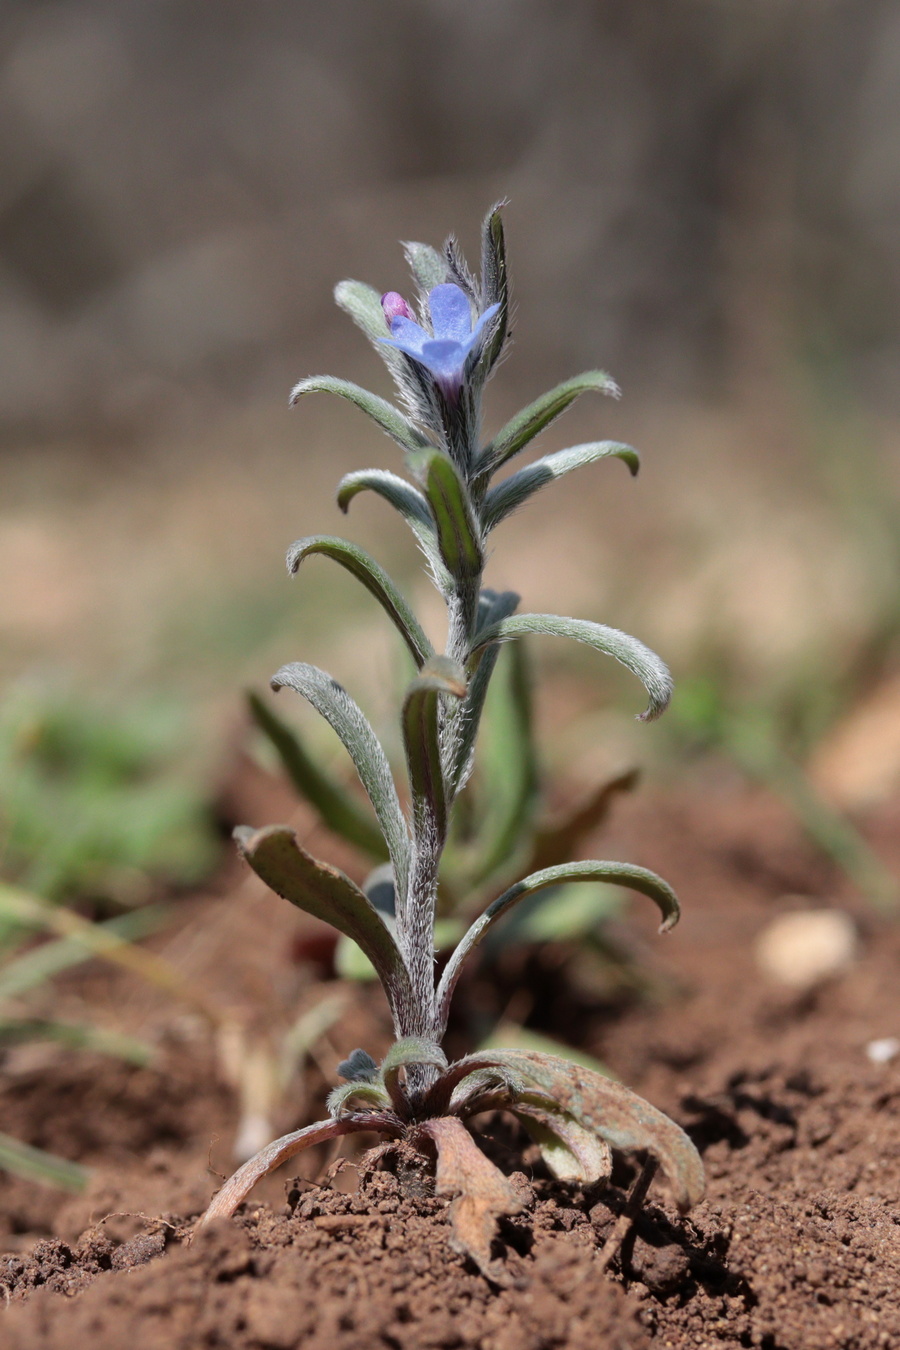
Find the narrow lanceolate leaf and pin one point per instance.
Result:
(327, 894)
(483, 1194)
(346, 718)
(375, 580)
(515, 490)
(238, 1187)
(619, 874)
(611, 1111)
(458, 535)
(526, 424)
(339, 811)
(492, 607)
(628, 651)
(422, 739)
(571, 1152)
(494, 281)
(390, 419)
(408, 500)
(45, 1168)
(427, 265)
(370, 1093)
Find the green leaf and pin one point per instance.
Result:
(17, 1030)
(571, 1152)
(458, 535)
(408, 500)
(50, 958)
(526, 424)
(508, 779)
(327, 894)
(494, 282)
(609, 1110)
(338, 809)
(492, 607)
(620, 874)
(370, 1093)
(411, 1050)
(507, 496)
(346, 718)
(427, 265)
(45, 1168)
(390, 419)
(422, 739)
(360, 565)
(628, 651)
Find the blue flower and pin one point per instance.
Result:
(444, 352)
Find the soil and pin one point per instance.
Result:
(796, 1247)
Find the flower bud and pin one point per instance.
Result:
(395, 307)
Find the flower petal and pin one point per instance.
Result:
(407, 335)
(445, 359)
(451, 315)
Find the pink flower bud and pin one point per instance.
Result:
(395, 307)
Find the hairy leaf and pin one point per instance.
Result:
(492, 608)
(333, 702)
(515, 490)
(327, 894)
(238, 1187)
(390, 419)
(620, 874)
(371, 1093)
(526, 424)
(422, 739)
(375, 580)
(611, 1111)
(408, 500)
(571, 1152)
(494, 283)
(338, 809)
(412, 1050)
(458, 535)
(628, 651)
(427, 265)
(483, 1194)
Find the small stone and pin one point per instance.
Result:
(883, 1050)
(805, 948)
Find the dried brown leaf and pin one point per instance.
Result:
(483, 1194)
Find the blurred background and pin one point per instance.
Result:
(703, 200)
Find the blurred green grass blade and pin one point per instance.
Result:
(759, 754)
(50, 958)
(508, 778)
(45, 1168)
(16, 1031)
(338, 809)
